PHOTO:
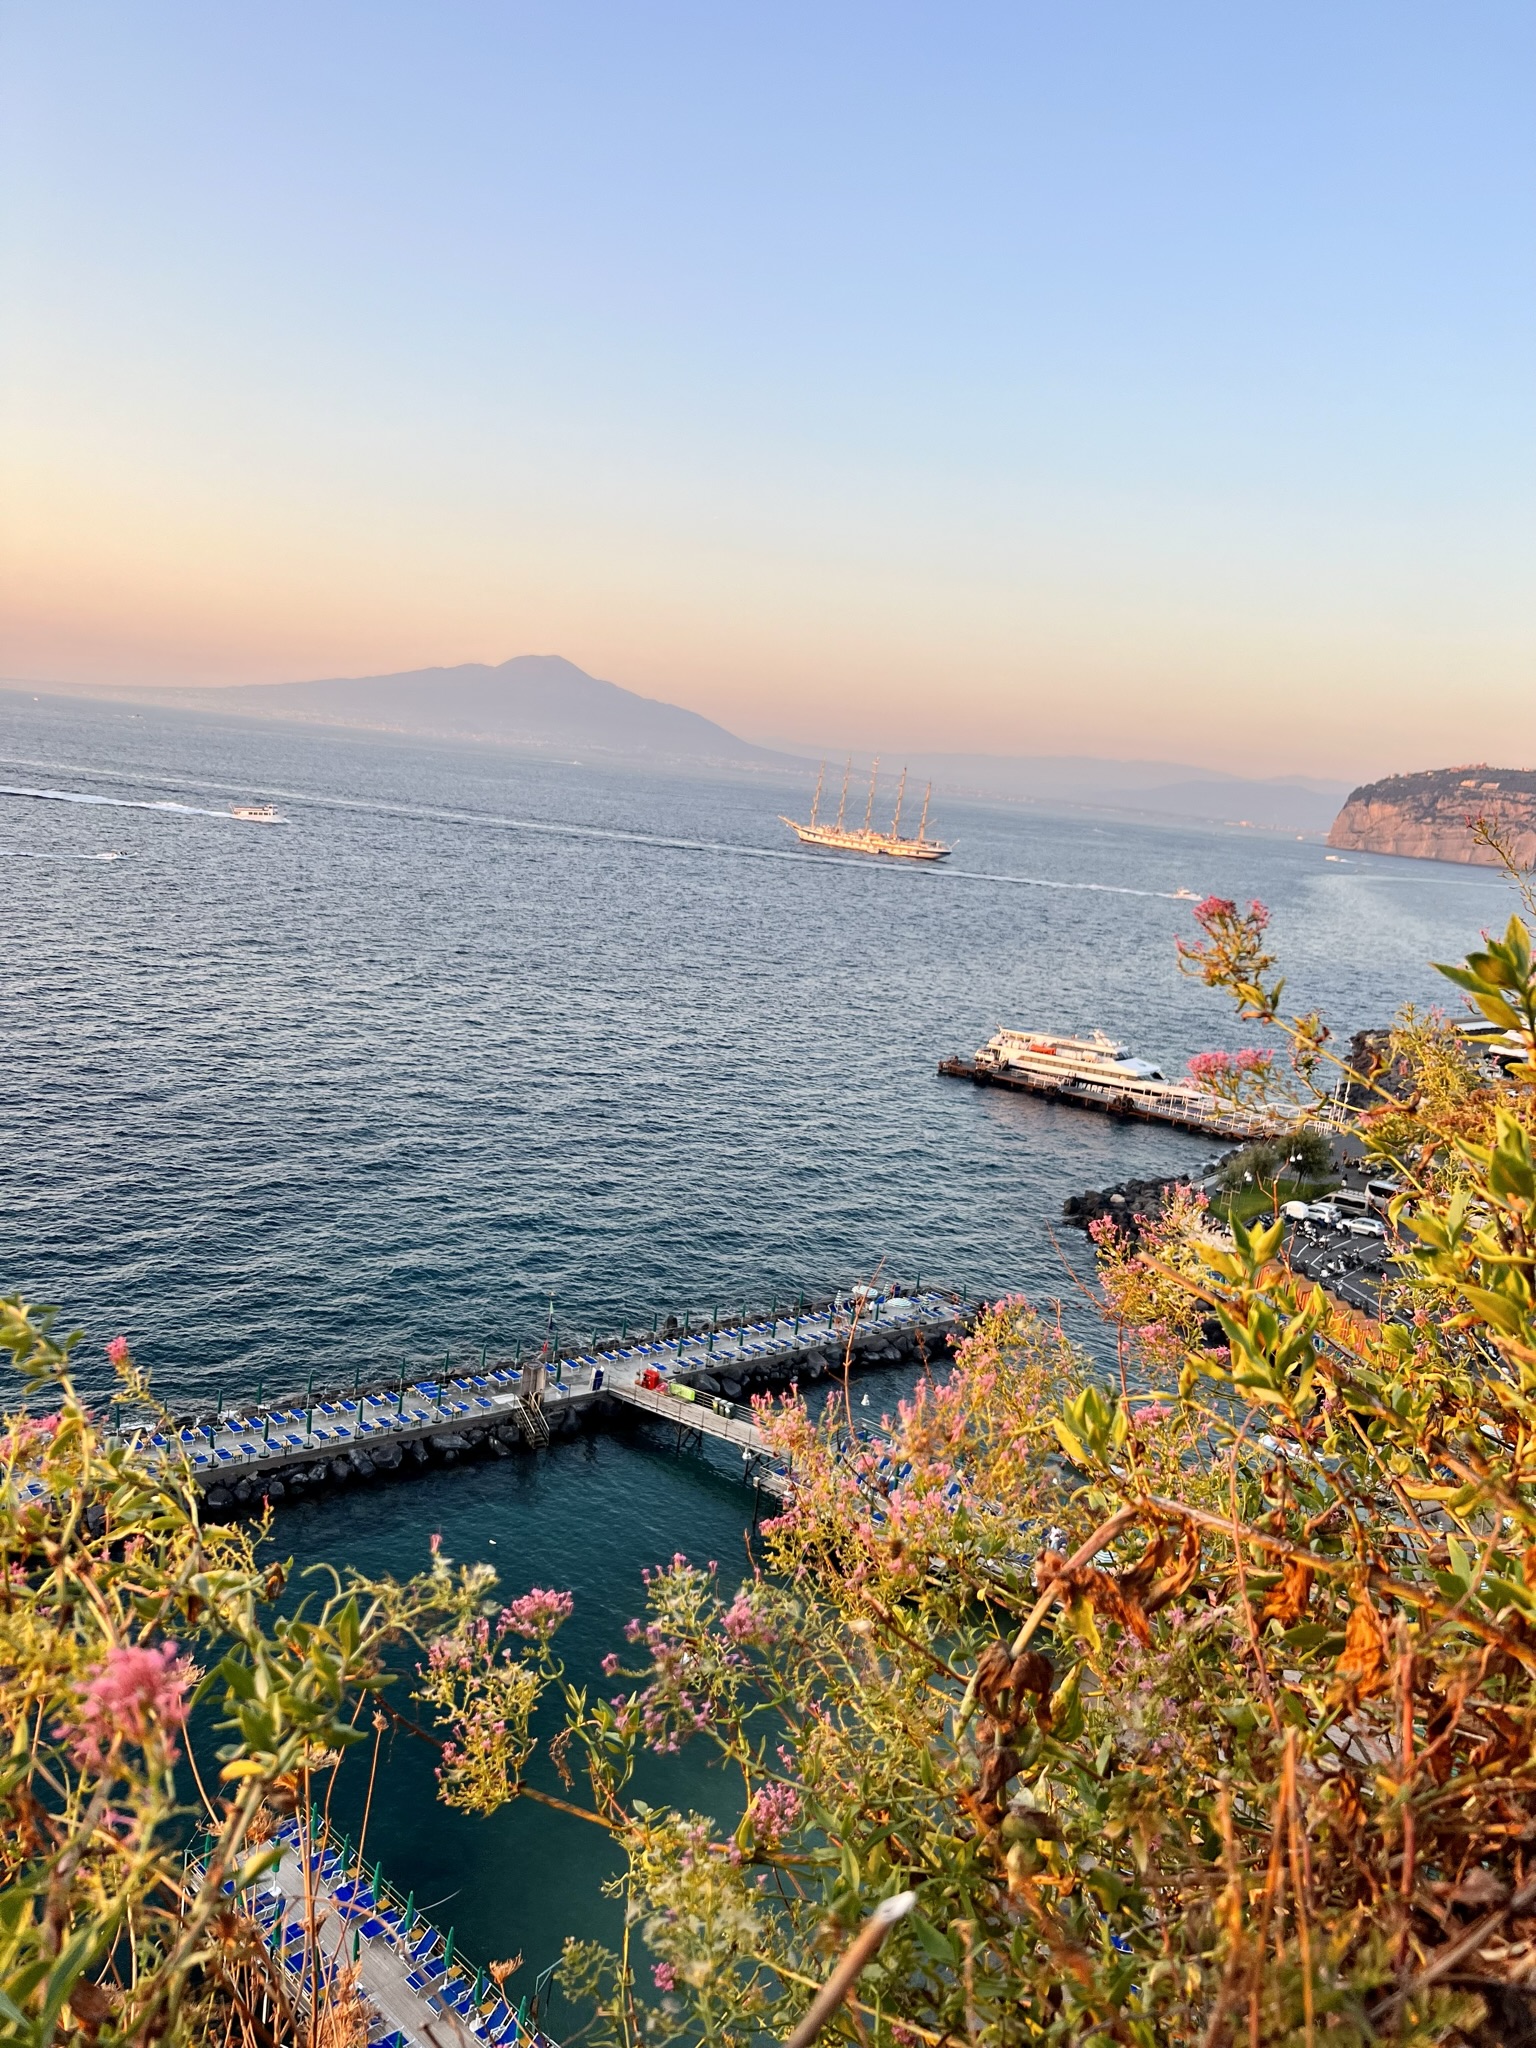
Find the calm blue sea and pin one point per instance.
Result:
(476, 1031)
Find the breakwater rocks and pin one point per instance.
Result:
(1430, 816)
(1123, 1203)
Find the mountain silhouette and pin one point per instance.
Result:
(538, 700)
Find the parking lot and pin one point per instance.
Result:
(1344, 1248)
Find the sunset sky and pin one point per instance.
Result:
(1022, 378)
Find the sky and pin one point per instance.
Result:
(1106, 378)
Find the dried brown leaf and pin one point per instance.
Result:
(1287, 1602)
(1362, 1663)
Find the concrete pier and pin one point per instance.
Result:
(1183, 1109)
(240, 1458)
(323, 1918)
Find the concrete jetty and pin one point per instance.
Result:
(1183, 1109)
(693, 1380)
(324, 1919)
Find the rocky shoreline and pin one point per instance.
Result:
(1123, 1203)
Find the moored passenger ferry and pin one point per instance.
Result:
(1096, 1060)
(1096, 1071)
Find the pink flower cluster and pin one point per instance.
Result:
(117, 1350)
(1215, 1066)
(458, 1652)
(665, 1977)
(670, 1709)
(131, 1696)
(28, 1433)
(538, 1613)
(744, 1625)
(1153, 1413)
(1217, 909)
(775, 1809)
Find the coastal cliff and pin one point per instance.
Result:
(1430, 816)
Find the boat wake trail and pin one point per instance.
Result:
(30, 853)
(563, 828)
(1043, 882)
(116, 803)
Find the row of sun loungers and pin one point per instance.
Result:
(369, 1916)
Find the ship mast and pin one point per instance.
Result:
(816, 799)
(900, 795)
(842, 802)
(923, 825)
(869, 808)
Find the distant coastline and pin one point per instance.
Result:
(546, 706)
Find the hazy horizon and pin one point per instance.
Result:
(1144, 768)
(1015, 384)
(553, 714)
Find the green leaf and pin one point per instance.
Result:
(1497, 1309)
(1107, 1888)
(1069, 1443)
(934, 1941)
(265, 1859)
(238, 1676)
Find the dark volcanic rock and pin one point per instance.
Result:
(1124, 1202)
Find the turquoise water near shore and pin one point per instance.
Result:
(476, 1031)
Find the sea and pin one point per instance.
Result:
(478, 1041)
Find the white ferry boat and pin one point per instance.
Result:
(1096, 1061)
(257, 814)
(1096, 1071)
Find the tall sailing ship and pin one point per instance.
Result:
(865, 838)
